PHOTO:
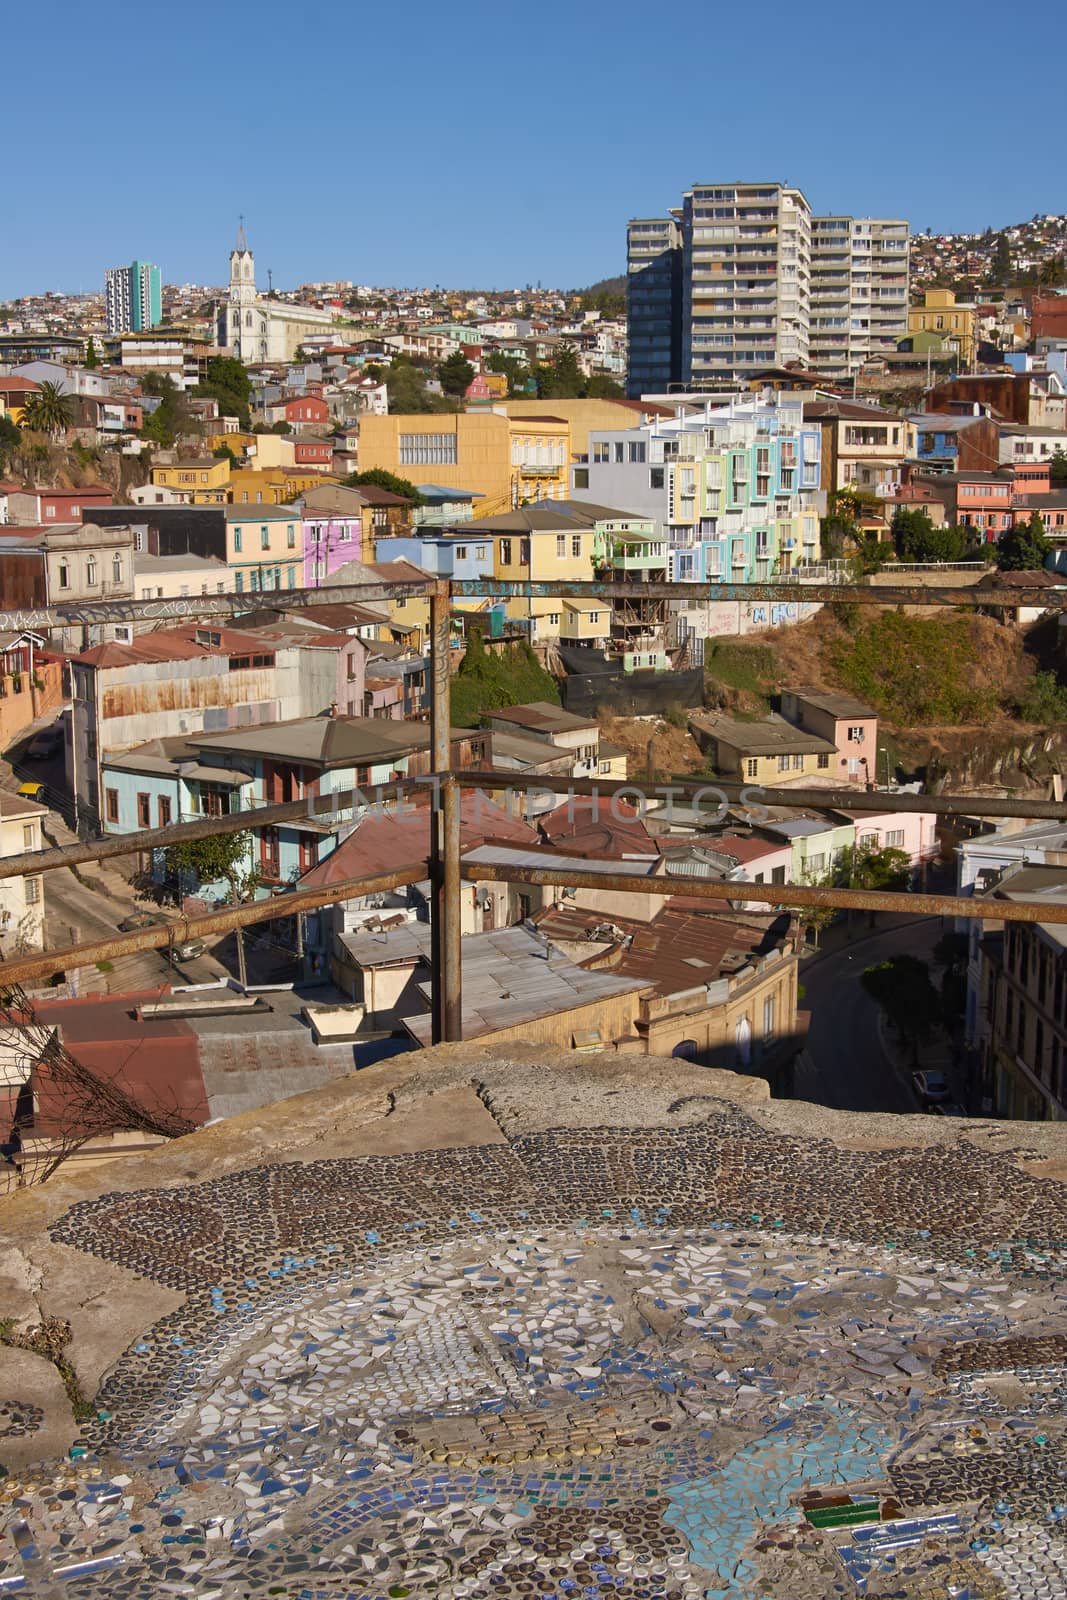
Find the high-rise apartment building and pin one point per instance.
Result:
(859, 291)
(133, 298)
(741, 277)
(653, 304)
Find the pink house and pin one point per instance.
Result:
(847, 723)
(910, 831)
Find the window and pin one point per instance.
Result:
(817, 861)
(461, 552)
(752, 767)
(111, 804)
(429, 450)
(637, 452)
(768, 1019)
(798, 763)
(655, 477)
(855, 735)
(90, 571)
(237, 538)
(783, 763)
(601, 452)
(620, 452)
(505, 552)
(264, 538)
(895, 839)
(29, 842)
(581, 477)
(823, 762)
(868, 841)
(553, 619)
(33, 891)
(561, 545)
(239, 582)
(144, 812)
(576, 545)
(116, 569)
(290, 536)
(777, 874)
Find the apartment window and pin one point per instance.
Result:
(461, 551)
(581, 477)
(561, 545)
(777, 874)
(752, 767)
(505, 552)
(637, 452)
(264, 538)
(855, 735)
(290, 536)
(116, 569)
(768, 1019)
(783, 763)
(620, 452)
(237, 538)
(798, 763)
(601, 452)
(33, 891)
(239, 582)
(655, 478)
(144, 811)
(553, 619)
(576, 545)
(823, 762)
(817, 861)
(90, 571)
(895, 839)
(28, 840)
(429, 450)
(111, 804)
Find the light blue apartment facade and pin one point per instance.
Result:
(734, 489)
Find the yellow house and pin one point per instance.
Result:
(507, 461)
(272, 486)
(203, 482)
(941, 315)
(541, 544)
(583, 622)
(772, 753)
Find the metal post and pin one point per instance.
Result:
(444, 834)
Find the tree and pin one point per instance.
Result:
(455, 374)
(47, 410)
(10, 437)
(917, 539)
(601, 387)
(1000, 266)
(562, 379)
(224, 858)
(1024, 547)
(92, 360)
(406, 384)
(172, 416)
(814, 919)
(864, 867)
(902, 987)
(1044, 700)
(517, 373)
(1057, 467)
(386, 480)
(228, 383)
(223, 452)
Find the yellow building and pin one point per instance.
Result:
(203, 482)
(509, 461)
(941, 315)
(587, 416)
(541, 544)
(272, 486)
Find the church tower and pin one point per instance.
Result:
(242, 295)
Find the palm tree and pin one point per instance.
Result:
(47, 410)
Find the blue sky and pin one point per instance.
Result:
(496, 144)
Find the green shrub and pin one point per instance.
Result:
(488, 679)
(1043, 700)
(915, 670)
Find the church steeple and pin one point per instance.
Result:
(242, 270)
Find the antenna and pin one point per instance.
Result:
(270, 281)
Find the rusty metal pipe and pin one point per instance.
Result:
(760, 593)
(450, 981)
(792, 798)
(24, 969)
(778, 894)
(440, 760)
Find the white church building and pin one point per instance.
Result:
(258, 330)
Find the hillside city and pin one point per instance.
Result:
(533, 835)
(765, 396)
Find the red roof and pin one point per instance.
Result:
(17, 385)
(600, 826)
(393, 839)
(155, 1062)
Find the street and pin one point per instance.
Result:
(851, 1069)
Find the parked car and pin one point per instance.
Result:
(32, 790)
(185, 952)
(932, 1088)
(44, 744)
(142, 919)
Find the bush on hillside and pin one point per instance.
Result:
(915, 670)
(488, 679)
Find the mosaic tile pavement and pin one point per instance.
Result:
(718, 1361)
